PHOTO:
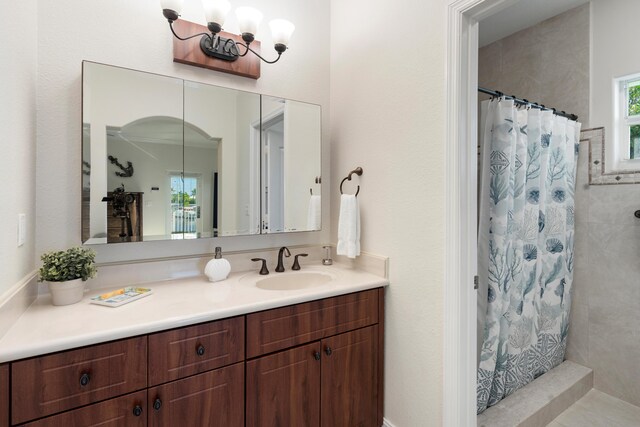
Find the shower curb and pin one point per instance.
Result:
(540, 402)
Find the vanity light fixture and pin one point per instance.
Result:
(214, 45)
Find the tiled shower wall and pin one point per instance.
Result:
(549, 63)
(604, 331)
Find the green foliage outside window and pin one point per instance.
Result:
(187, 199)
(634, 109)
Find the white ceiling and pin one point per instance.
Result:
(164, 130)
(521, 15)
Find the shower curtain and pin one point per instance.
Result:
(525, 244)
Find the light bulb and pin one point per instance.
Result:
(216, 10)
(248, 19)
(175, 5)
(281, 31)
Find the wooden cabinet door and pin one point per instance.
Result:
(213, 399)
(283, 389)
(4, 395)
(350, 379)
(129, 410)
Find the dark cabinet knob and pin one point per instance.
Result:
(137, 410)
(84, 379)
(316, 355)
(328, 351)
(157, 404)
(200, 350)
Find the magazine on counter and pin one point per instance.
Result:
(121, 296)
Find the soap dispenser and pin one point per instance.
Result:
(218, 268)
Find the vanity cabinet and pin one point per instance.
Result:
(333, 381)
(311, 364)
(193, 372)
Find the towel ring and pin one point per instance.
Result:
(357, 171)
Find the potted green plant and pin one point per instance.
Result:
(65, 273)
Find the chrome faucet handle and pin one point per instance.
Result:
(264, 270)
(296, 264)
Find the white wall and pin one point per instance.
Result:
(134, 34)
(613, 23)
(388, 116)
(17, 121)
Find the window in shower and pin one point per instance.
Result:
(627, 129)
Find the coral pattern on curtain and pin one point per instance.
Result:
(525, 245)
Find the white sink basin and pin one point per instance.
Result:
(293, 281)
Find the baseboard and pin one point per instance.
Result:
(17, 299)
(386, 423)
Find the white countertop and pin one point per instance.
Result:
(44, 328)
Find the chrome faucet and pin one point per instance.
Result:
(285, 250)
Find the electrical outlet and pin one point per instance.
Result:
(22, 229)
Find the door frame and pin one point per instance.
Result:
(460, 299)
(256, 159)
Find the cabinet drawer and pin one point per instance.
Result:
(48, 384)
(280, 328)
(187, 351)
(129, 410)
(215, 398)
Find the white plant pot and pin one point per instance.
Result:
(65, 293)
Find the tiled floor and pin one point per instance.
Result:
(597, 409)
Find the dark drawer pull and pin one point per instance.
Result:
(157, 404)
(137, 410)
(316, 355)
(84, 379)
(200, 350)
(328, 351)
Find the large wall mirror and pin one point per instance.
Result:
(164, 158)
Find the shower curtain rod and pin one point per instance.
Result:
(526, 102)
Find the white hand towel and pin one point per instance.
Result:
(349, 227)
(314, 216)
